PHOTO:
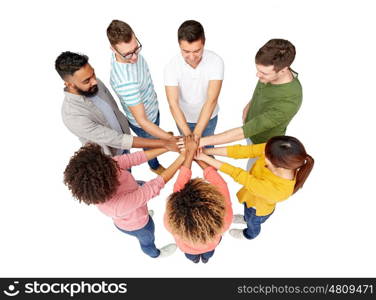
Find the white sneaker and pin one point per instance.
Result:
(167, 250)
(237, 233)
(238, 219)
(151, 212)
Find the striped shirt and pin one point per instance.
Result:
(133, 85)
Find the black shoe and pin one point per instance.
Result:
(204, 260)
(196, 260)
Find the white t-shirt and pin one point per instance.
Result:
(193, 83)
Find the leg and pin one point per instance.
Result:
(146, 238)
(253, 222)
(153, 163)
(193, 257)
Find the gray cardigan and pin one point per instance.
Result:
(88, 123)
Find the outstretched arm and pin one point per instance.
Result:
(138, 111)
(172, 93)
(171, 170)
(228, 136)
(209, 160)
(221, 151)
(169, 145)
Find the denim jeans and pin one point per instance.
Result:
(209, 130)
(196, 257)
(253, 222)
(153, 163)
(146, 238)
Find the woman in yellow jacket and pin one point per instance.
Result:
(280, 170)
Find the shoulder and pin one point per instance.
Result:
(213, 57)
(174, 62)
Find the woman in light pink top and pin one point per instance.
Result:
(199, 211)
(96, 178)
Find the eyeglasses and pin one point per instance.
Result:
(130, 54)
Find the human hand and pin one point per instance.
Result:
(199, 155)
(190, 144)
(172, 144)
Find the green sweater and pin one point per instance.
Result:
(271, 109)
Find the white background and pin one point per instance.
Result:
(326, 229)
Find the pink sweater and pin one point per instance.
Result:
(211, 175)
(128, 206)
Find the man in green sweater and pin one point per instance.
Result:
(275, 101)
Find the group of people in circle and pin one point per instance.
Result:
(198, 211)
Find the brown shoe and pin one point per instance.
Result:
(159, 170)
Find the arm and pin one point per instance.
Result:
(170, 144)
(212, 176)
(83, 127)
(203, 165)
(278, 113)
(150, 154)
(228, 136)
(210, 161)
(262, 188)
(190, 150)
(245, 111)
(131, 201)
(172, 93)
(171, 170)
(238, 151)
(138, 112)
(221, 151)
(206, 112)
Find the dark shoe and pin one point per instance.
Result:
(204, 260)
(196, 260)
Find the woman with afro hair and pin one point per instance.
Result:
(96, 178)
(199, 211)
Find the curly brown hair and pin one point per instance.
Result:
(196, 213)
(91, 175)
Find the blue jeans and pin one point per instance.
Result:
(209, 130)
(196, 257)
(253, 222)
(146, 238)
(153, 163)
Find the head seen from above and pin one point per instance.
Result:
(196, 213)
(91, 175)
(191, 38)
(273, 60)
(79, 77)
(124, 42)
(289, 153)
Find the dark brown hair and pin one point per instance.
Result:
(196, 213)
(278, 53)
(289, 153)
(67, 63)
(91, 175)
(191, 31)
(118, 32)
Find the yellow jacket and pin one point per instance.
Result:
(262, 188)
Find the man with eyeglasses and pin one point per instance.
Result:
(131, 80)
(193, 81)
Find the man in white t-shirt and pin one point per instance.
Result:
(193, 81)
